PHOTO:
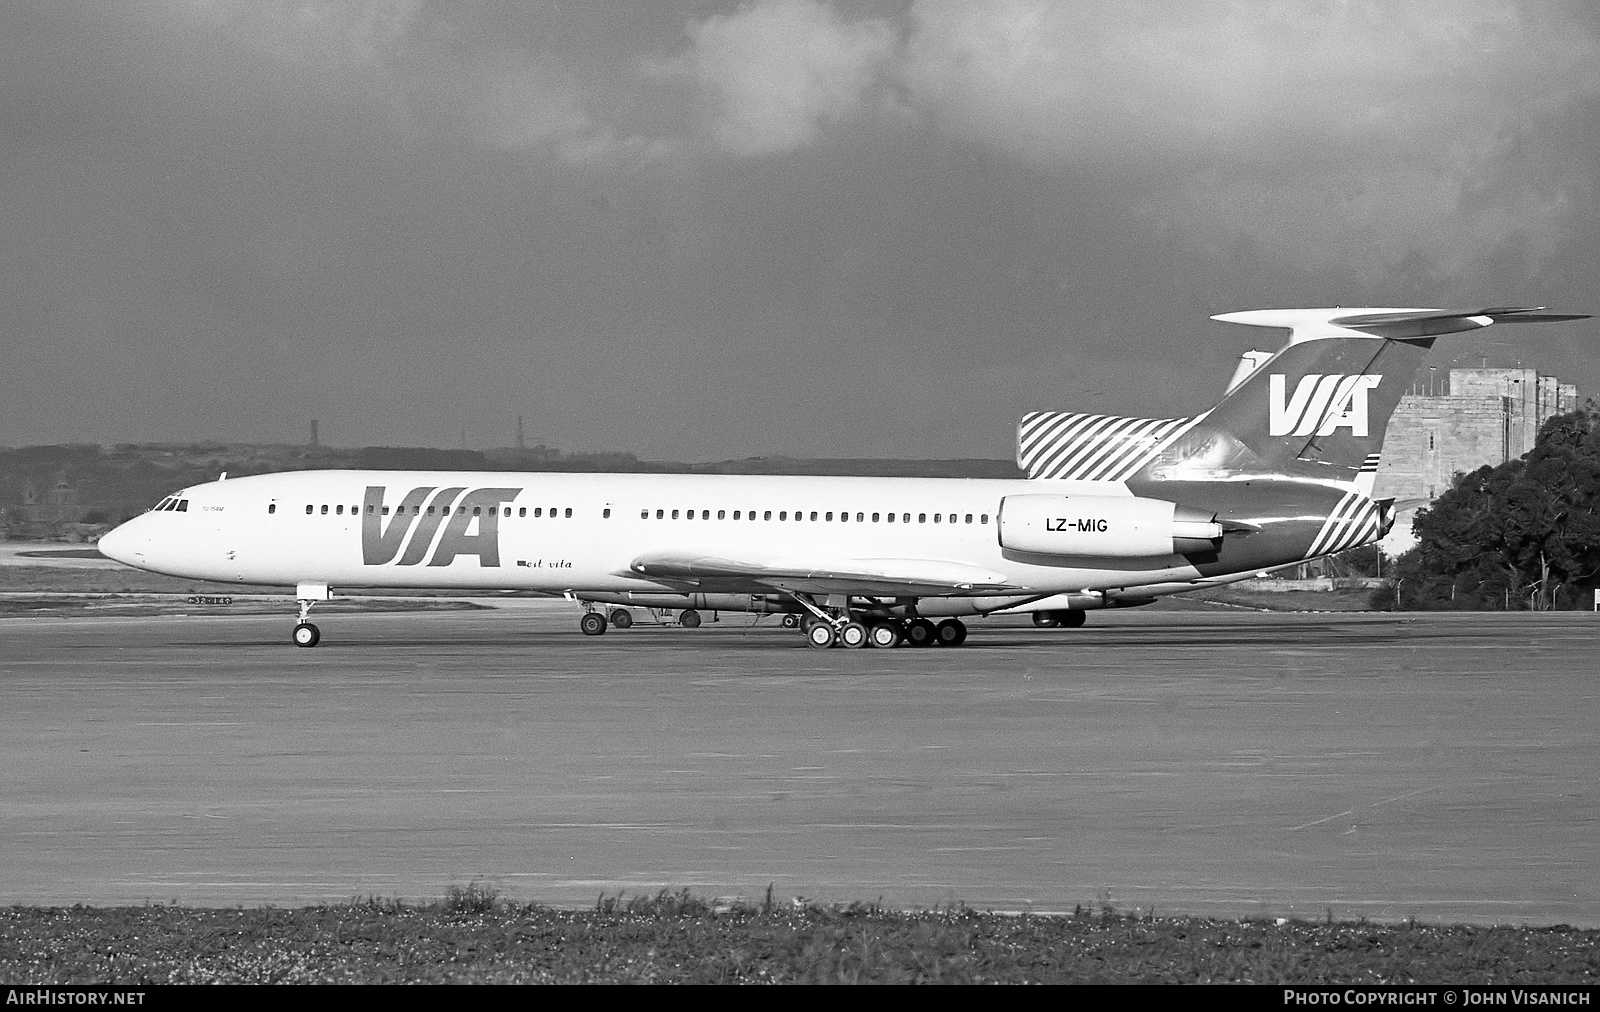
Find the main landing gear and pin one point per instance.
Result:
(825, 629)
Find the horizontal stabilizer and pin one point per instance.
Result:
(1400, 326)
(1391, 324)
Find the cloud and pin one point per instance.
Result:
(522, 104)
(1351, 133)
(778, 72)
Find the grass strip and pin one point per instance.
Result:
(475, 936)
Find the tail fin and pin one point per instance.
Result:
(1319, 407)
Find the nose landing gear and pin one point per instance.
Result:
(307, 594)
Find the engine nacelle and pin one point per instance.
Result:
(1100, 526)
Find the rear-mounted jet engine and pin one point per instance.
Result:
(1108, 527)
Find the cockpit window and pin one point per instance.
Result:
(183, 505)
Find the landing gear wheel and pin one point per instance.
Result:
(952, 632)
(885, 635)
(592, 623)
(853, 634)
(919, 633)
(820, 635)
(307, 635)
(791, 621)
(1072, 619)
(622, 618)
(1046, 619)
(690, 619)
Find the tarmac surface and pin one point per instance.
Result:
(1222, 763)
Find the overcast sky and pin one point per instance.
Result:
(700, 230)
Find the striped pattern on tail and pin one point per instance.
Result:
(1064, 444)
(1356, 521)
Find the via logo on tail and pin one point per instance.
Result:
(1320, 404)
(381, 543)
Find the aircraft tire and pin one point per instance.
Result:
(1046, 619)
(952, 632)
(1073, 618)
(592, 623)
(821, 636)
(791, 621)
(853, 635)
(885, 635)
(690, 619)
(307, 635)
(622, 618)
(919, 632)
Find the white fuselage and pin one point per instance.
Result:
(562, 533)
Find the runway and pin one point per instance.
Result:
(1442, 767)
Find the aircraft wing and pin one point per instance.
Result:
(885, 577)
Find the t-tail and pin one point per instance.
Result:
(1319, 408)
(1316, 410)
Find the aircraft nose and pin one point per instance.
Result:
(121, 543)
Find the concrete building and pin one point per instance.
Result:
(1458, 422)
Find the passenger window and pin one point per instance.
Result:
(844, 518)
(874, 518)
(644, 514)
(890, 518)
(569, 511)
(969, 518)
(985, 518)
(339, 510)
(308, 509)
(386, 511)
(736, 514)
(783, 514)
(861, 518)
(813, 514)
(674, 514)
(922, 518)
(606, 513)
(905, 518)
(272, 507)
(477, 511)
(936, 517)
(705, 514)
(767, 515)
(522, 511)
(538, 511)
(508, 511)
(828, 516)
(723, 515)
(325, 509)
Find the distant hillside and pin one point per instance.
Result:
(107, 484)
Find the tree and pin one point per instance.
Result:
(1524, 534)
